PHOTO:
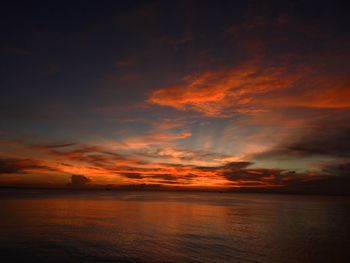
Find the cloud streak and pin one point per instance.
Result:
(224, 92)
(105, 167)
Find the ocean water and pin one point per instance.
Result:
(62, 226)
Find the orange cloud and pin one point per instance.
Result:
(168, 136)
(335, 95)
(223, 92)
(154, 139)
(253, 87)
(169, 123)
(101, 167)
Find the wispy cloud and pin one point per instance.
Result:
(224, 92)
(95, 165)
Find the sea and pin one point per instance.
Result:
(135, 226)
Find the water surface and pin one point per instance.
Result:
(62, 226)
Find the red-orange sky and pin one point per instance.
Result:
(187, 94)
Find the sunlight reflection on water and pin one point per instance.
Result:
(172, 227)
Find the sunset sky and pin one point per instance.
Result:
(177, 94)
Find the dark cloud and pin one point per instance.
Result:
(92, 154)
(237, 165)
(170, 177)
(335, 180)
(241, 171)
(234, 172)
(8, 166)
(16, 165)
(79, 180)
(332, 178)
(253, 174)
(164, 178)
(169, 182)
(337, 168)
(132, 175)
(328, 137)
(54, 146)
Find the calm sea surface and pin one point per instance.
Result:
(43, 226)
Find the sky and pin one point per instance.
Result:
(219, 95)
